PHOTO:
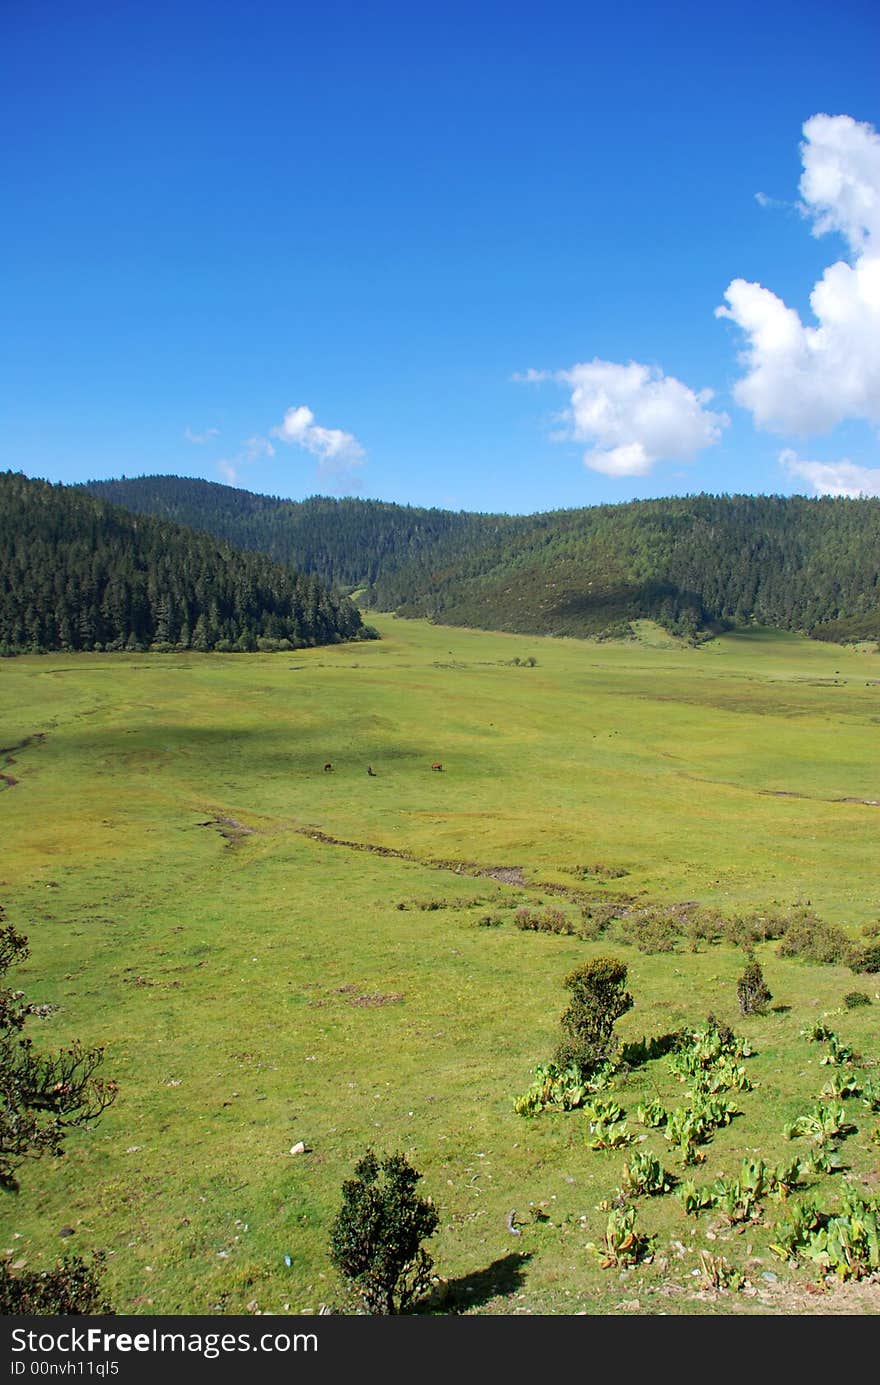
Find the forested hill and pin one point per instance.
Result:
(348, 543)
(77, 573)
(690, 563)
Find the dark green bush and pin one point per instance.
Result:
(598, 999)
(73, 1286)
(752, 991)
(376, 1238)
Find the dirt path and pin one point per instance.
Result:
(9, 752)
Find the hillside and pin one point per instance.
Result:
(77, 573)
(346, 543)
(691, 563)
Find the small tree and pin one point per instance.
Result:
(376, 1238)
(41, 1095)
(751, 990)
(598, 999)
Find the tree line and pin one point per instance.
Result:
(693, 563)
(77, 573)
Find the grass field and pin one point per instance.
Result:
(255, 986)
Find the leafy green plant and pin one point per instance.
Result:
(870, 1094)
(712, 1111)
(795, 1229)
(821, 1124)
(784, 1178)
(845, 1243)
(564, 1088)
(716, 1273)
(839, 1086)
(817, 1032)
(710, 1054)
(609, 1134)
(622, 1245)
(823, 1158)
(603, 1109)
(375, 1241)
(653, 1114)
(686, 1131)
(840, 1054)
(738, 1199)
(643, 1175)
(694, 1199)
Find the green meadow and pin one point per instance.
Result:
(255, 986)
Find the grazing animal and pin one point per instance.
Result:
(371, 771)
(437, 765)
(327, 767)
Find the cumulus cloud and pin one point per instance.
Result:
(802, 378)
(633, 416)
(228, 472)
(833, 478)
(201, 438)
(336, 451)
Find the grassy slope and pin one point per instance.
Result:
(214, 970)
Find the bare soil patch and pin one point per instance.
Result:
(230, 828)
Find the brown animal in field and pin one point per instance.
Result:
(327, 767)
(371, 771)
(437, 765)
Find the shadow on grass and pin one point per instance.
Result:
(635, 1055)
(502, 1277)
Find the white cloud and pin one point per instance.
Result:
(336, 451)
(201, 438)
(531, 377)
(833, 478)
(840, 184)
(257, 447)
(632, 415)
(804, 379)
(228, 472)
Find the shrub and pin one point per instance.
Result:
(72, 1286)
(751, 990)
(42, 1095)
(598, 999)
(853, 999)
(816, 941)
(864, 958)
(550, 921)
(376, 1238)
(650, 930)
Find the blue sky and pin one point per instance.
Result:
(466, 255)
